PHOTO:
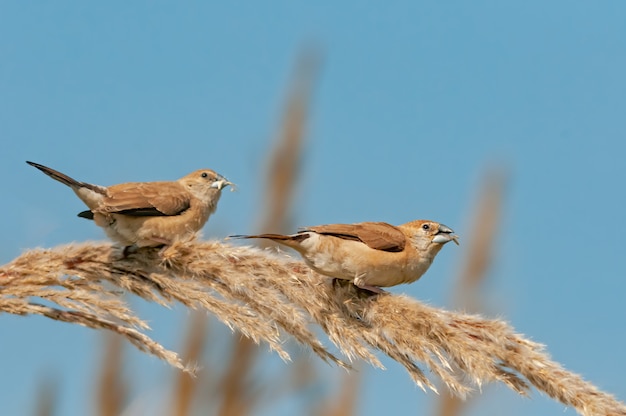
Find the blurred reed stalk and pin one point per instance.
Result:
(479, 252)
(186, 386)
(46, 397)
(111, 389)
(345, 401)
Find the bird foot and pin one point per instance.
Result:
(358, 282)
(364, 289)
(373, 289)
(128, 250)
(133, 249)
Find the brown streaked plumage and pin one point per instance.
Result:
(148, 214)
(371, 254)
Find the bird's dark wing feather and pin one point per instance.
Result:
(377, 235)
(146, 199)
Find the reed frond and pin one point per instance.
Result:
(273, 298)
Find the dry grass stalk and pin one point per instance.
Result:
(266, 296)
(111, 390)
(450, 405)
(344, 403)
(46, 397)
(480, 245)
(237, 398)
(186, 385)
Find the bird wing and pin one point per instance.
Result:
(146, 199)
(377, 235)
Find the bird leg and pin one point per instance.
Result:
(358, 282)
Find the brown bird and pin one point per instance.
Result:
(148, 214)
(371, 254)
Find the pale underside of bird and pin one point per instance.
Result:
(148, 214)
(370, 254)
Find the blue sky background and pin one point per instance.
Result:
(415, 100)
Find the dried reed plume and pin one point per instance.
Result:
(112, 390)
(186, 387)
(267, 297)
(46, 397)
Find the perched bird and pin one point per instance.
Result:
(148, 214)
(371, 254)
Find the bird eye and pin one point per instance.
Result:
(204, 174)
(426, 227)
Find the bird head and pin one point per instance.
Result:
(205, 183)
(425, 234)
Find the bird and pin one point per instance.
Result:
(370, 254)
(148, 214)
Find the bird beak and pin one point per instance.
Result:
(221, 183)
(445, 234)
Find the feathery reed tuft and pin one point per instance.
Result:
(269, 298)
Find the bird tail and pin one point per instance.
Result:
(66, 180)
(276, 237)
(88, 215)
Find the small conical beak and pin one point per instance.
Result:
(445, 229)
(445, 234)
(222, 182)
